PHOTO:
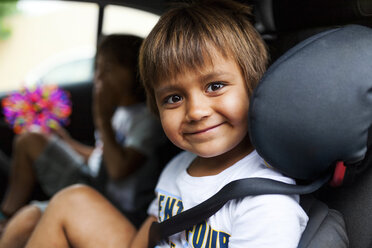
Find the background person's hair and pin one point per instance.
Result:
(124, 50)
(187, 36)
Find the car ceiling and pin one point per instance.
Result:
(154, 6)
(280, 15)
(282, 23)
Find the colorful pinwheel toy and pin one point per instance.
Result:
(42, 106)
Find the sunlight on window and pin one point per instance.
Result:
(40, 31)
(37, 7)
(49, 40)
(118, 19)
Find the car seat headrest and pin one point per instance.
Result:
(313, 107)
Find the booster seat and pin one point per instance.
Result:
(311, 115)
(310, 118)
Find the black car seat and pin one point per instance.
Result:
(311, 115)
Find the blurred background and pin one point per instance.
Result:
(54, 41)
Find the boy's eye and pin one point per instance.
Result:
(173, 99)
(215, 86)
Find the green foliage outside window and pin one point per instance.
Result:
(7, 7)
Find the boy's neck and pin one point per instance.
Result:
(212, 166)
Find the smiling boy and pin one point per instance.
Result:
(206, 114)
(199, 66)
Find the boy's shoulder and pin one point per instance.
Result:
(253, 165)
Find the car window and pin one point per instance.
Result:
(40, 30)
(120, 19)
(53, 42)
(79, 70)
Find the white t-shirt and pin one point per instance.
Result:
(256, 221)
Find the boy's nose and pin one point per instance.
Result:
(197, 108)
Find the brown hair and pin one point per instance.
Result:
(183, 37)
(124, 50)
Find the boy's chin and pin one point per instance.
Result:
(210, 152)
(223, 149)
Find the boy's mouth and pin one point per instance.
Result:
(202, 130)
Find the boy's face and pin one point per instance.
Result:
(205, 111)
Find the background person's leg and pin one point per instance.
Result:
(22, 180)
(4, 173)
(20, 227)
(4, 163)
(81, 217)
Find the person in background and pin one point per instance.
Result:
(123, 165)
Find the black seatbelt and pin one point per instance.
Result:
(233, 190)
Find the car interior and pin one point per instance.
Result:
(284, 24)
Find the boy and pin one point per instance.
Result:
(199, 66)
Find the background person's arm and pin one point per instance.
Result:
(119, 161)
(82, 149)
(142, 236)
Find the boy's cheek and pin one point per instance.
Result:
(168, 129)
(171, 128)
(236, 107)
(173, 137)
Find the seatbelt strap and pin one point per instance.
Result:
(233, 190)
